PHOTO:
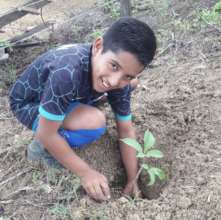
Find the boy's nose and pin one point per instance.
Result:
(114, 80)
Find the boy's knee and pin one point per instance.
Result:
(85, 117)
(101, 119)
(95, 118)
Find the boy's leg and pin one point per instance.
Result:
(84, 116)
(37, 152)
(83, 125)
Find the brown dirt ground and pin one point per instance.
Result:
(178, 99)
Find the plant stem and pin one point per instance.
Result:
(138, 174)
(135, 180)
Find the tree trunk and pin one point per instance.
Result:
(125, 8)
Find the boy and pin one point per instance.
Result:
(55, 97)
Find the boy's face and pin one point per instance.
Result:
(112, 70)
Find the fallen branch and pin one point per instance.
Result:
(13, 194)
(29, 33)
(40, 205)
(14, 177)
(28, 44)
(17, 13)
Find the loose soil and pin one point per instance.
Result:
(178, 100)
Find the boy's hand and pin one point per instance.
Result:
(96, 185)
(132, 189)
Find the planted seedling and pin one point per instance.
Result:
(147, 151)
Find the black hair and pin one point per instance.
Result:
(133, 36)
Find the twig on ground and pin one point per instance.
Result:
(34, 204)
(14, 177)
(39, 205)
(3, 116)
(164, 50)
(43, 216)
(4, 133)
(215, 55)
(8, 171)
(203, 56)
(24, 217)
(215, 27)
(10, 149)
(5, 202)
(13, 194)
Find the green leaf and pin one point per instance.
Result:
(133, 143)
(154, 153)
(152, 177)
(140, 155)
(158, 172)
(4, 44)
(217, 7)
(149, 140)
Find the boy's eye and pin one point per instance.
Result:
(114, 66)
(128, 77)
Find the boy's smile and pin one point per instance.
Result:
(112, 70)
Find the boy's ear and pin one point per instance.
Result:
(97, 46)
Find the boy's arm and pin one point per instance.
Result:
(94, 183)
(128, 154)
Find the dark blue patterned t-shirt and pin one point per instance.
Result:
(58, 78)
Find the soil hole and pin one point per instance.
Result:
(148, 192)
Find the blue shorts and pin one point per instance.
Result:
(76, 138)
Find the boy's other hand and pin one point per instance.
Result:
(96, 185)
(132, 189)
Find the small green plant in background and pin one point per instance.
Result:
(96, 33)
(36, 175)
(147, 151)
(60, 211)
(212, 16)
(8, 76)
(151, 6)
(4, 44)
(11, 74)
(111, 6)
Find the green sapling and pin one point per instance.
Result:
(147, 151)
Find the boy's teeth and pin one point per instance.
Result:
(105, 84)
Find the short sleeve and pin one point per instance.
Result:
(119, 100)
(59, 91)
